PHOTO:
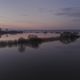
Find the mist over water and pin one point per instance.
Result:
(51, 56)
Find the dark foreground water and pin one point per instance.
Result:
(54, 59)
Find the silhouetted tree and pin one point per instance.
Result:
(0, 29)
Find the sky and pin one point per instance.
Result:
(40, 14)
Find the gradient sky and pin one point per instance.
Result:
(40, 14)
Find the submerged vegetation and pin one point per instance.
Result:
(34, 41)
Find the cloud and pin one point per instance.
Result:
(45, 10)
(70, 12)
(76, 20)
(24, 15)
(2, 16)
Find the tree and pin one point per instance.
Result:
(0, 29)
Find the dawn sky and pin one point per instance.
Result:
(40, 14)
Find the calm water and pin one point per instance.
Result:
(45, 60)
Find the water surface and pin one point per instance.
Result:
(59, 58)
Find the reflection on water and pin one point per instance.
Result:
(46, 56)
(35, 42)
